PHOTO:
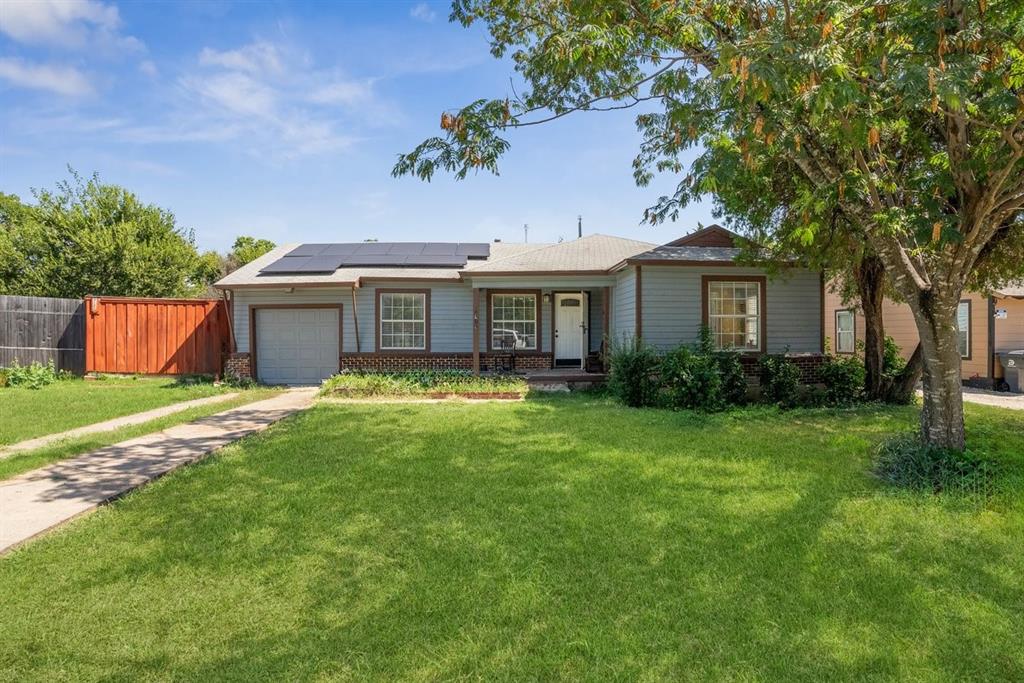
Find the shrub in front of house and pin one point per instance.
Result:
(421, 383)
(780, 381)
(843, 379)
(633, 375)
(690, 379)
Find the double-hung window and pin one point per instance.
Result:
(514, 316)
(846, 336)
(963, 328)
(403, 321)
(735, 314)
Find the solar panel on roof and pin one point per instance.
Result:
(373, 248)
(447, 248)
(326, 258)
(339, 249)
(322, 264)
(287, 264)
(307, 250)
(374, 260)
(409, 248)
(474, 249)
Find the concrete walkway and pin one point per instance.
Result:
(111, 425)
(39, 500)
(1001, 399)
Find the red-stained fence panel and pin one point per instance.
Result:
(155, 336)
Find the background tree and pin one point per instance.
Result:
(896, 124)
(86, 237)
(248, 249)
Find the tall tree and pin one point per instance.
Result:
(248, 248)
(87, 237)
(898, 124)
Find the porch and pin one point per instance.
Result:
(553, 332)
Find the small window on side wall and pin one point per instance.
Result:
(963, 328)
(846, 335)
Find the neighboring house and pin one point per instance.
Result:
(302, 312)
(988, 325)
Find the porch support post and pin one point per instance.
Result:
(355, 317)
(606, 321)
(476, 331)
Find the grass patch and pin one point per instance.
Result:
(554, 538)
(905, 462)
(28, 413)
(21, 462)
(425, 383)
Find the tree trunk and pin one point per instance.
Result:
(870, 277)
(942, 414)
(901, 388)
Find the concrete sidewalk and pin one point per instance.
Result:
(39, 500)
(111, 425)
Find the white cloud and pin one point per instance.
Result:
(343, 92)
(70, 24)
(148, 68)
(423, 12)
(260, 58)
(234, 92)
(63, 80)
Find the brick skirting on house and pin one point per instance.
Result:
(809, 364)
(237, 365)
(397, 362)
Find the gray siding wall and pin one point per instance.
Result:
(672, 307)
(623, 314)
(451, 313)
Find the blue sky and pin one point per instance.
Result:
(283, 120)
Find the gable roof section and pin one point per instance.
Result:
(687, 255)
(713, 235)
(589, 254)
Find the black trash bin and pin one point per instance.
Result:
(1013, 369)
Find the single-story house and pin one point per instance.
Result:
(988, 325)
(305, 311)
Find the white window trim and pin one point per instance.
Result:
(758, 328)
(967, 303)
(380, 330)
(535, 320)
(853, 318)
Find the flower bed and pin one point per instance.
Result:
(423, 384)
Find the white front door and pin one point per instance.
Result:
(570, 329)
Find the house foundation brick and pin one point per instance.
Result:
(399, 362)
(808, 363)
(237, 365)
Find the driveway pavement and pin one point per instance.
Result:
(39, 500)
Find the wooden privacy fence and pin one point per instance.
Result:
(155, 336)
(43, 329)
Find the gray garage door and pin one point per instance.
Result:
(296, 345)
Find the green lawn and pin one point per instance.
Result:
(562, 538)
(28, 413)
(13, 465)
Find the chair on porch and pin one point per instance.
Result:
(508, 342)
